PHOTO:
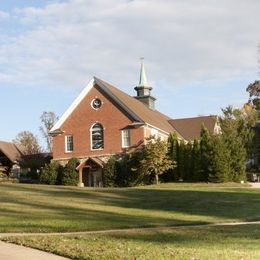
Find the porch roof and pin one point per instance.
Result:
(96, 160)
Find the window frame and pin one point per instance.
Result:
(69, 145)
(126, 139)
(91, 137)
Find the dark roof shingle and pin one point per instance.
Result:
(190, 128)
(136, 109)
(12, 151)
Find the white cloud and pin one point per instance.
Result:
(4, 15)
(65, 44)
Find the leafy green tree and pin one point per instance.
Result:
(29, 141)
(48, 119)
(70, 175)
(252, 109)
(155, 159)
(254, 95)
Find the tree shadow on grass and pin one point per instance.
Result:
(241, 235)
(69, 208)
(66, 219)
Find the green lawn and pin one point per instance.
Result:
(40, 208)
(230, 242)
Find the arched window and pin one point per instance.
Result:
(97, 137)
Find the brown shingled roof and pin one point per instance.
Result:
(136, 109)
(12, 151)
(190, 128)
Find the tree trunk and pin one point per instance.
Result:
(157, 178)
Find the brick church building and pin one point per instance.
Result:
(103, 121)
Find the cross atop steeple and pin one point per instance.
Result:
(143, 89)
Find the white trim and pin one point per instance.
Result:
(91, 103)
(160, 130)
(123, 140)
(75, 103)
(66, 144)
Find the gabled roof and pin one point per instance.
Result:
(96, 160)
(190, 128)
(142, 113)
(12, 151)
(133, 108)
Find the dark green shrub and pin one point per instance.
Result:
(110, 172)
(50, 172)
(70, 175)
(130, 174)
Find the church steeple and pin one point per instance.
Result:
(143, 79)
(143, 89)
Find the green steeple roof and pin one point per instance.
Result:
(143, 79)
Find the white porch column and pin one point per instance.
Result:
(80, 184)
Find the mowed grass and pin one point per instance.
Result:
(229, 242)
(40, 208)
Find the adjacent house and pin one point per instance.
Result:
(14, 160)
(190, 128)
(103, 120)
(10, 156)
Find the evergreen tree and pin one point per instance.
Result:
(221, 161)
(70, 175)
(206, 153)
(235, 135)
(50, 172)
(188, 171)
(110, 172)
(173, 145)
(196, 161)
(181, 160)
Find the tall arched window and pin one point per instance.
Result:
(97, 137)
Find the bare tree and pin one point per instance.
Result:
(48, 120)
(29, 141)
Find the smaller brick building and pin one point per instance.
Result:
(103, 121)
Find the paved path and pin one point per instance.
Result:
(14, 252)
(2, 235)
(255, 184)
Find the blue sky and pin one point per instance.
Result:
(199, 55)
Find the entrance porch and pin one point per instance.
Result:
(90, 172)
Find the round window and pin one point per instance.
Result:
(96, 103)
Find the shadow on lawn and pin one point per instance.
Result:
(69, 209)
(207, 235)
(60, 218)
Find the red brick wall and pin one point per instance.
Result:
(79, 124)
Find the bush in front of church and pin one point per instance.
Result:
(110, 172)
(50, 172)
(70, 174)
